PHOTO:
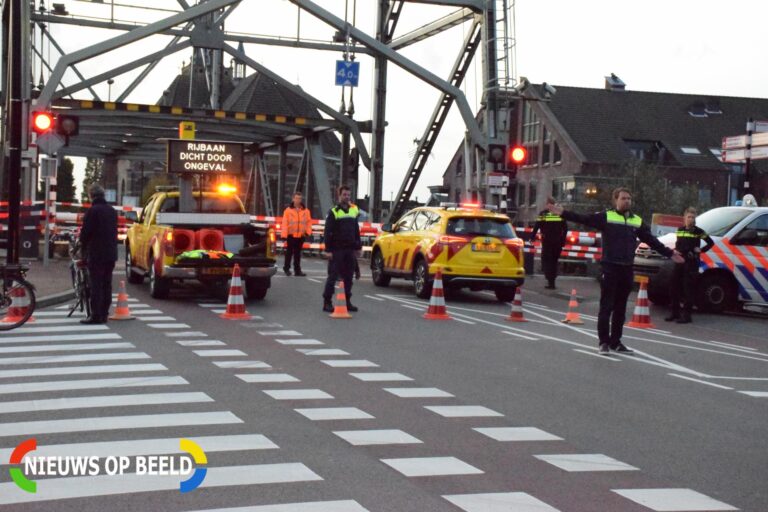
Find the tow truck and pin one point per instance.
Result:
(170, 246)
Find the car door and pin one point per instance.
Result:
(411, 240)
(397, 242)
(750, 257)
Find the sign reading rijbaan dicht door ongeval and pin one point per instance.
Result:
(205, 157)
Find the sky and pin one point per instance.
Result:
(705, 47)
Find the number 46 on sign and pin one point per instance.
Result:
(347, 73)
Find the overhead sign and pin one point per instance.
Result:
(204, 157)
(740, 155)
(497, 179)
(347, 72)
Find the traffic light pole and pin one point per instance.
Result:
(12, 30)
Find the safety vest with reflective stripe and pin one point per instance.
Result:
(341, 229)
(690, 239)
(297, 222)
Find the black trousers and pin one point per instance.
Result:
(100, 275)
(615, 288)
(683, 286)
(550, 254)
(293, 252)
(341, 266)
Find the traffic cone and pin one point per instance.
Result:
(122, 312)
(340, 302)
(516, 313)
(436, 310)
(19, 306)
(573, 317)
(641, 318)
(235, 304)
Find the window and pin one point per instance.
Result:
(547, 137)
(532, 194)
(404, 224)
(557, 157)
(521, 197)
(479, 227)
(690, 150)
(717, 152)
(760, 235)
(420, 222)
(531, 125)
(651, 151)
(433, 223)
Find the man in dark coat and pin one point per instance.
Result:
(553, 233)
(98, 238)
(342, 247)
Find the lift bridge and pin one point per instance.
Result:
(118, 130)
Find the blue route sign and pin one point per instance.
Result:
(347, 73)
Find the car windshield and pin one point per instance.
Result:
(718, 221)
(480, 226)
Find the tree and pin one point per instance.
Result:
(93, 174)
(65, 188)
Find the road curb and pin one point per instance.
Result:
(54, 299)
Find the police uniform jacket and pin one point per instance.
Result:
(620, 234)
(689, 239)
(553, 228)
(99, 233)
(342, 230)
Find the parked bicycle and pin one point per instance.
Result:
(17, 297)
(80, 279)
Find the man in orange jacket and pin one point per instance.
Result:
(297, 223)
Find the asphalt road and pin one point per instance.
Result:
(297, 412)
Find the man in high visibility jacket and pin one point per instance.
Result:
(553, 231)
(297, 223)
(342, 247)
(685, 274)
(621, 229)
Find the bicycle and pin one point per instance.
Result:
(17, 297)
(80, 280)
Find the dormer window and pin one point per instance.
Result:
(690, 150)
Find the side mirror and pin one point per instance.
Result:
(746, 237)
(387, 227)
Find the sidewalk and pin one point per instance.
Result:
(53, 284)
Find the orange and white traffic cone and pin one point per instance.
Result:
(235, 303)
(516, 313)
(573, 317)
(641, 318)
(436, 310)
(122, 312)
(19, 306)
(340, 302)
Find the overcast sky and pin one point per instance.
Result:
(684, 46)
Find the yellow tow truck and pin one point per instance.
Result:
(171, 246)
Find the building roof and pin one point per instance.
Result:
(599, 121)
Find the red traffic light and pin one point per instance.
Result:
(518, 155)
(42, 122)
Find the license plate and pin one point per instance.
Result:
(219, 271)
(485, 247)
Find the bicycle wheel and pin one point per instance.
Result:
(83, 291)
(17, 302)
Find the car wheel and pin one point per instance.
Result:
(506, 294)
(716, 293)
(130, 275)
(158, 287)
(256, 289)
(377, 270)
(422, 284)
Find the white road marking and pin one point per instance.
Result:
(66, 385)
(89, 402)
(349, 363)
(267, 377)
(499, 502)
(80, 370)
(380, 377)
(376, 437)
(186, 334)
(201, 343)
(699, 381)
(413, 307)
(373, 297)
(578, 462)
(298, 394)
(106, 356)
(209, 444)
(431, 466)
(531, 338)
(63, 337)
(756, 394)
(305, 506)
(241, 364)
(58, 328)
(672, 500)
(730, 345)
(280, 333)
(169, 326)
(322, 352)
(463, 321)
(301, 341)
(506, 434)
(118, 423)
(419, 392)
(106, 485)
(156, 318)
(334, 413)
(315, 280)
(595, 354)
(219, 353)
(463, 411)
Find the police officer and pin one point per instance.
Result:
(99, 247)
(684, 275)
(621, 228)
(553, 232)
(342, 247)
(297, 224)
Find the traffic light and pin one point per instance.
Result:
(42, 122)
(496, 153)
(67, 125)
(518, 155)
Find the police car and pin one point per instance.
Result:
(474, 248)
(733, 273)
